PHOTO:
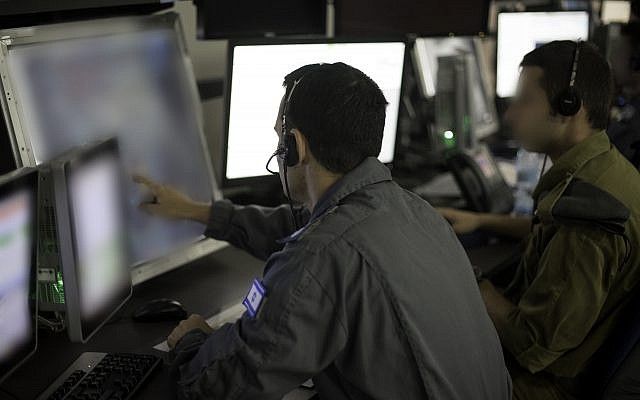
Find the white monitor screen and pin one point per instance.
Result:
(99, 238)
(519, 33)
(133, 85)
(17, 243)
(615, 11)
(256, 91)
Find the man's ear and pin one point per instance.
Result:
(302, 145)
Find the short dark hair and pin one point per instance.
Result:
(594, 81)
(340, 111)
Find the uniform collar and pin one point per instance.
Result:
(369, 172)
(570, 162)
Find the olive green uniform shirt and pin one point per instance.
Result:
(571, 283)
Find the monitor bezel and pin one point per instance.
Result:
(25, 177)
(20, 141)
(589, 22)
(232, 44)
(62, 169)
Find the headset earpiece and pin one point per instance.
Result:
(291, 157)
(569, 102)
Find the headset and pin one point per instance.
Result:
(569, 102)
(288, 151)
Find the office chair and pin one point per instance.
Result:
(614, 372)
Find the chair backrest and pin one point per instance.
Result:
(625, 382)
(610, 369)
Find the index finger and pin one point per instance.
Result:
(445, 212)
(143, 180)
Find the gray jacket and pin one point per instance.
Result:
(374, 298)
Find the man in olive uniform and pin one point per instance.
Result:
(373, 296)
(582, 258)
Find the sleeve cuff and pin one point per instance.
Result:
(517, 339)
(219, 220)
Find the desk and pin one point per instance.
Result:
(205, 287)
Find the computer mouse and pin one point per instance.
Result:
(160, 310)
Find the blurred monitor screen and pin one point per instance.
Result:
(93, 243)
(615, 11)
(132, 83)
(17, 260)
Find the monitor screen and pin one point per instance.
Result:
(257, 73)
(17, 265)
(519, 33)
(133, 84)
(95, 253)
(484, 118)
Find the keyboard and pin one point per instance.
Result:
(102, 376)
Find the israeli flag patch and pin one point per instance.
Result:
(254, 298)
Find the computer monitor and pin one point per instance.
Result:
(615, 11)
(521, 32)
(256, 72)
(18, 295)
(481, 103)
(92, 235)
(72, 83)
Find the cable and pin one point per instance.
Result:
(544, 166)
(286, 185)
(535, 202)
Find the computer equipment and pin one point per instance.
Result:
(422, 18)
(131, 77)
(160, 310)
(480, 180)
(103, 376)
(256, 71)
(452, 105)
(478, 115)
(219, 19)
(521, 32)
(18, 243)
(90, 211)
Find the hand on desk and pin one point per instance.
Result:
(169, 203)
(462, 221)
(194, 321)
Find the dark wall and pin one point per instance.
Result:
(423, 17)
(254, 18)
